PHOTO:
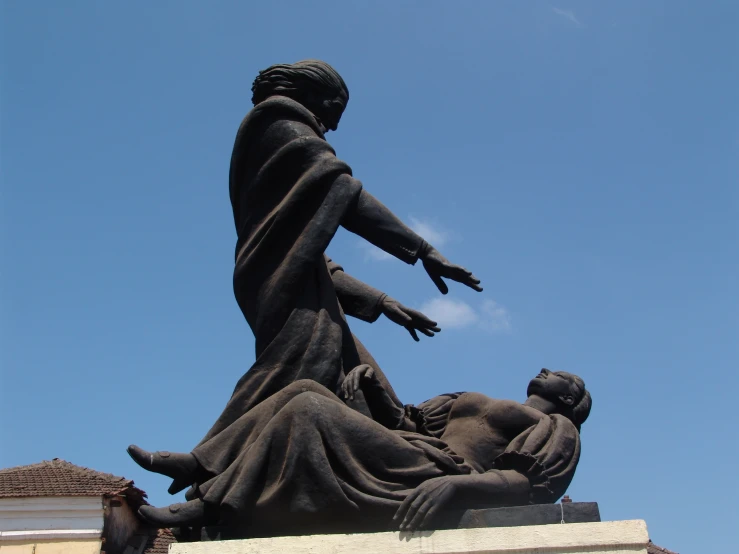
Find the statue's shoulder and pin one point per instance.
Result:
(279, 108)
(276, 120)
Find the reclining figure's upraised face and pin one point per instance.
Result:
(566, 391)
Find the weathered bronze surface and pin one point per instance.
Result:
(314, 439)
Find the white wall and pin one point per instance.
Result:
(80, 515)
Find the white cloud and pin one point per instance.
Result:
(450, 313)
(431, 234)
(434, 236)
(495, 317)
(569, 15)
(456, 314)
(371, 252)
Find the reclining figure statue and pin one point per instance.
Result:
(303, 461)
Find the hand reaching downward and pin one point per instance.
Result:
(437, 266)
(412, 320)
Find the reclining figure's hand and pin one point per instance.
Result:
(419, 508)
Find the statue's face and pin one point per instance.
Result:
(329, 110)
(554, 386)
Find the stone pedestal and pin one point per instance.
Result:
(627, 537)
(537, 514)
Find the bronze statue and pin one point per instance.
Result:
(302, 461)
(314, 437)
(290, 193)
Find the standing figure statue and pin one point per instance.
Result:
(304, 462)
(290, 193)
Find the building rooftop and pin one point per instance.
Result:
(654, 549)
(59, 478)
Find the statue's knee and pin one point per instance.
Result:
(307, 385)
(314, 406)
(304, 403)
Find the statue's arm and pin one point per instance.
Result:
(504, 486)
(357, 299)
(464, 492)
(385, 407)
(373, 221)
(367, 303)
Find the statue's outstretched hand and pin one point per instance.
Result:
(437, 266)
(353, 381)
(419, 508)
(412, 320)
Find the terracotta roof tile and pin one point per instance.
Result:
(60, 478)
(150, 540)
(159, 542)
(654, 549)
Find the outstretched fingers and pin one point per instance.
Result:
(472, 282)
(464, 276)
(424, 508)
(414, 332)
(400, 315)
(408, 507)
(428, 518)
(439, 282)
(420, 507)
(421, 321)
(412, 523)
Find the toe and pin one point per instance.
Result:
(139, 455)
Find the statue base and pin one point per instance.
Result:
(626, 537)
(537, 514)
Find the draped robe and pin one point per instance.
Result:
(303, 462)
(289, 194)
(285, 443)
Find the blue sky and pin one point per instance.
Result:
(579, 157)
